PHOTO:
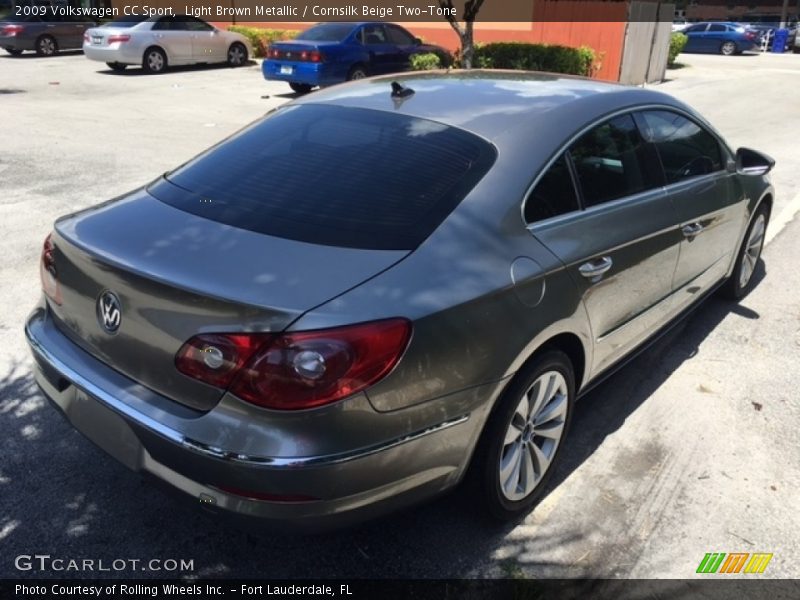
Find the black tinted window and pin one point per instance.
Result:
(695, 28)
(685, 148)
(333, 175)
(373, 34)
(399, 36)
(327, 32)
(717, 28)
(612, 161)
(553, 195)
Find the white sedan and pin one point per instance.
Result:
(158, 42)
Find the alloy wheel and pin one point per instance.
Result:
(236, 55)
(752, 250)
(533, 435)
(47, 46)
(155, 61)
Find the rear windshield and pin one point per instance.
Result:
(332, 175)
(327, 32)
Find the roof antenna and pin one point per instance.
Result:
(398, 91)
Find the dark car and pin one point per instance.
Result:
(330, 53)
(352, 305)
(720, 38)
(45, 36)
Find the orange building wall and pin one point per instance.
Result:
(552, 23)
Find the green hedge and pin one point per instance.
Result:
(260, 39)
(536, 57)
(425, 62)
(676, 45)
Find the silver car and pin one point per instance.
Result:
(156, 43)
(390, 286)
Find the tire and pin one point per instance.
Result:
(13, 51)
(46, 45)
(728, 49)
(154, 60)
(740, 283)
(237, 55)
(499, 473)
(115, 66)
(357, 72)
(300, 88)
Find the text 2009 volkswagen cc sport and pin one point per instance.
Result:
(385, 287)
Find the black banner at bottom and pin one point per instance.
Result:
(455, 589)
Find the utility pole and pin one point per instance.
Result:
(784, 14)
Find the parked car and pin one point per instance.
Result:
(330, 53)
(346, 308)
(156, 43)
(43, 36)
(679, 24)
(722, 38)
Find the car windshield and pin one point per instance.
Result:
(326, 32)
(126, 21)
(333, 175)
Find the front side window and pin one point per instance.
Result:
(716, 28)
(612, 161)
(685, 148)
(553, 195)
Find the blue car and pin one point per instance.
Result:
(330, 53)
(720, 38)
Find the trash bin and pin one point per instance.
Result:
(779, 41)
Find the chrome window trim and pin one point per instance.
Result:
(665, 188)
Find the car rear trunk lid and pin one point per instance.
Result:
(177, 274)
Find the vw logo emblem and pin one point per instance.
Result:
(109, 311)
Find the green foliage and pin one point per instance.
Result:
(260, 39)
(536, 57)
(425, 62)
(676, 45)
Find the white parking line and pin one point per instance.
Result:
(777, 224)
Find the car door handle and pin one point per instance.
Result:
(692, 229)
(596, 267)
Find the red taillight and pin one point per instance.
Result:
(86, 37)
(118, 38)
(215, 358)
(12, 29)
(311, 55)
(48, 272)
(295, 371)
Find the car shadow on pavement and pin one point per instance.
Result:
(64, 497)
(136, 71)
(33, 55)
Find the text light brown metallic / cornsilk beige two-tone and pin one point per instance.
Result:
(378, 291)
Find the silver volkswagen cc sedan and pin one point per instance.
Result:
(390, 286)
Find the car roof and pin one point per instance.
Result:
(492, 103)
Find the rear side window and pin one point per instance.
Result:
(714, 28)
(333, 175)
(553, 195)
(612, 162)
(686, 149)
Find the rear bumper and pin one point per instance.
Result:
(313, 74)
(13, 42)
(144, 432)
(123, 54)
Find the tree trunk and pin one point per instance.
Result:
(467, 46)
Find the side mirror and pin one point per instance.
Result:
(750, 162)
(417, 41)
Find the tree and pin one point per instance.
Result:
(471, 8)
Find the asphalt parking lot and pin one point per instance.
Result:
(690, 449)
